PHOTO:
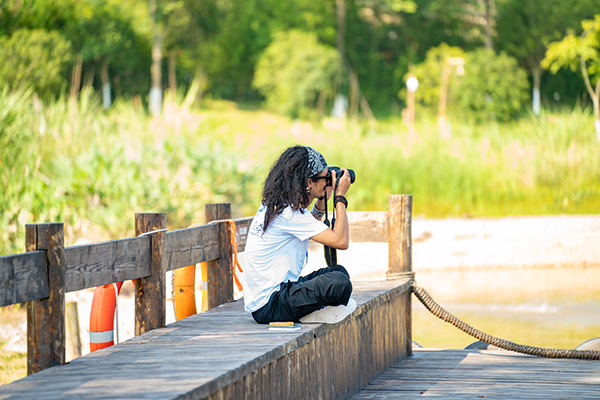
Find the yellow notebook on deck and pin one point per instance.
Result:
(284, 326)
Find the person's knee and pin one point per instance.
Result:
(342, 286)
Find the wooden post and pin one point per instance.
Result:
(46, 317)
(220, 272)
(400, 249)
(150, 295)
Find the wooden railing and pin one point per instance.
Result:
(48, 270)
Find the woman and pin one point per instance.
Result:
(277, 244)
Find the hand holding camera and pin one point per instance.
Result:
(339, 179)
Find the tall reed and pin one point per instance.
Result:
(72, 161)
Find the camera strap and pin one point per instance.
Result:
(330, 253)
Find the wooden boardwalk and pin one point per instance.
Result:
(470, 374)
(224, 354)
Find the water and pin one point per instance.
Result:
(553, 316)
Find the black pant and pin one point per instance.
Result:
(294, 300)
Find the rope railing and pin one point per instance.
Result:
(444, 315)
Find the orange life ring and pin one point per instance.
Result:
(102, 316)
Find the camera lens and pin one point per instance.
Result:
(352, 175)
(340, 172)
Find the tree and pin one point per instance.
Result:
(526, 27)
(101, 33)
(291, 77)
(493, 86)
(429, 73)
(14, 15)
(34, 58)
(580, 52)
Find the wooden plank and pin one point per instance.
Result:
(458, 374)
(23, 277)
(104, 263)
(205, 354)
(46, 335)
(192, 245)
(150, 296)
(486, 373)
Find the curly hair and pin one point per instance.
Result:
(286, 183)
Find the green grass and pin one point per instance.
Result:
(13, 365)
(93, 169)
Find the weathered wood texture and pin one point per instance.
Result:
(220, 272)
(224, 354)
(192, 245)
(104, 263)
(471, 374)
(150, 297)
(400, 234)
(23, 277)
(400, 251)
(46, 317)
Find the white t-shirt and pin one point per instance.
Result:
(277, 255)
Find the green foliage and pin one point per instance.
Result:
(71, 162)
(539, 165)
(429, 74)
(99, 31)
(526, 28)
(572, 50)
(294, 70)
(490, 86)
(493, 86)
(93, 169)
(34, 57)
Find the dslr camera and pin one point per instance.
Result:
(339, 173)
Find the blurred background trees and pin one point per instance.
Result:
(111, 45)
(79, 144)
(581, 53)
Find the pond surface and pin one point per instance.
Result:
(554, 319)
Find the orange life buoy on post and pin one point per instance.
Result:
(102, 316)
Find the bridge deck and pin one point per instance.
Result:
(469, 374)
(223, 353)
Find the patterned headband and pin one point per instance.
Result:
(316, 161)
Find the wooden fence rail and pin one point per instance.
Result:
(48, 270)
(43, 275)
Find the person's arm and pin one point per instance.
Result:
(339, 236)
